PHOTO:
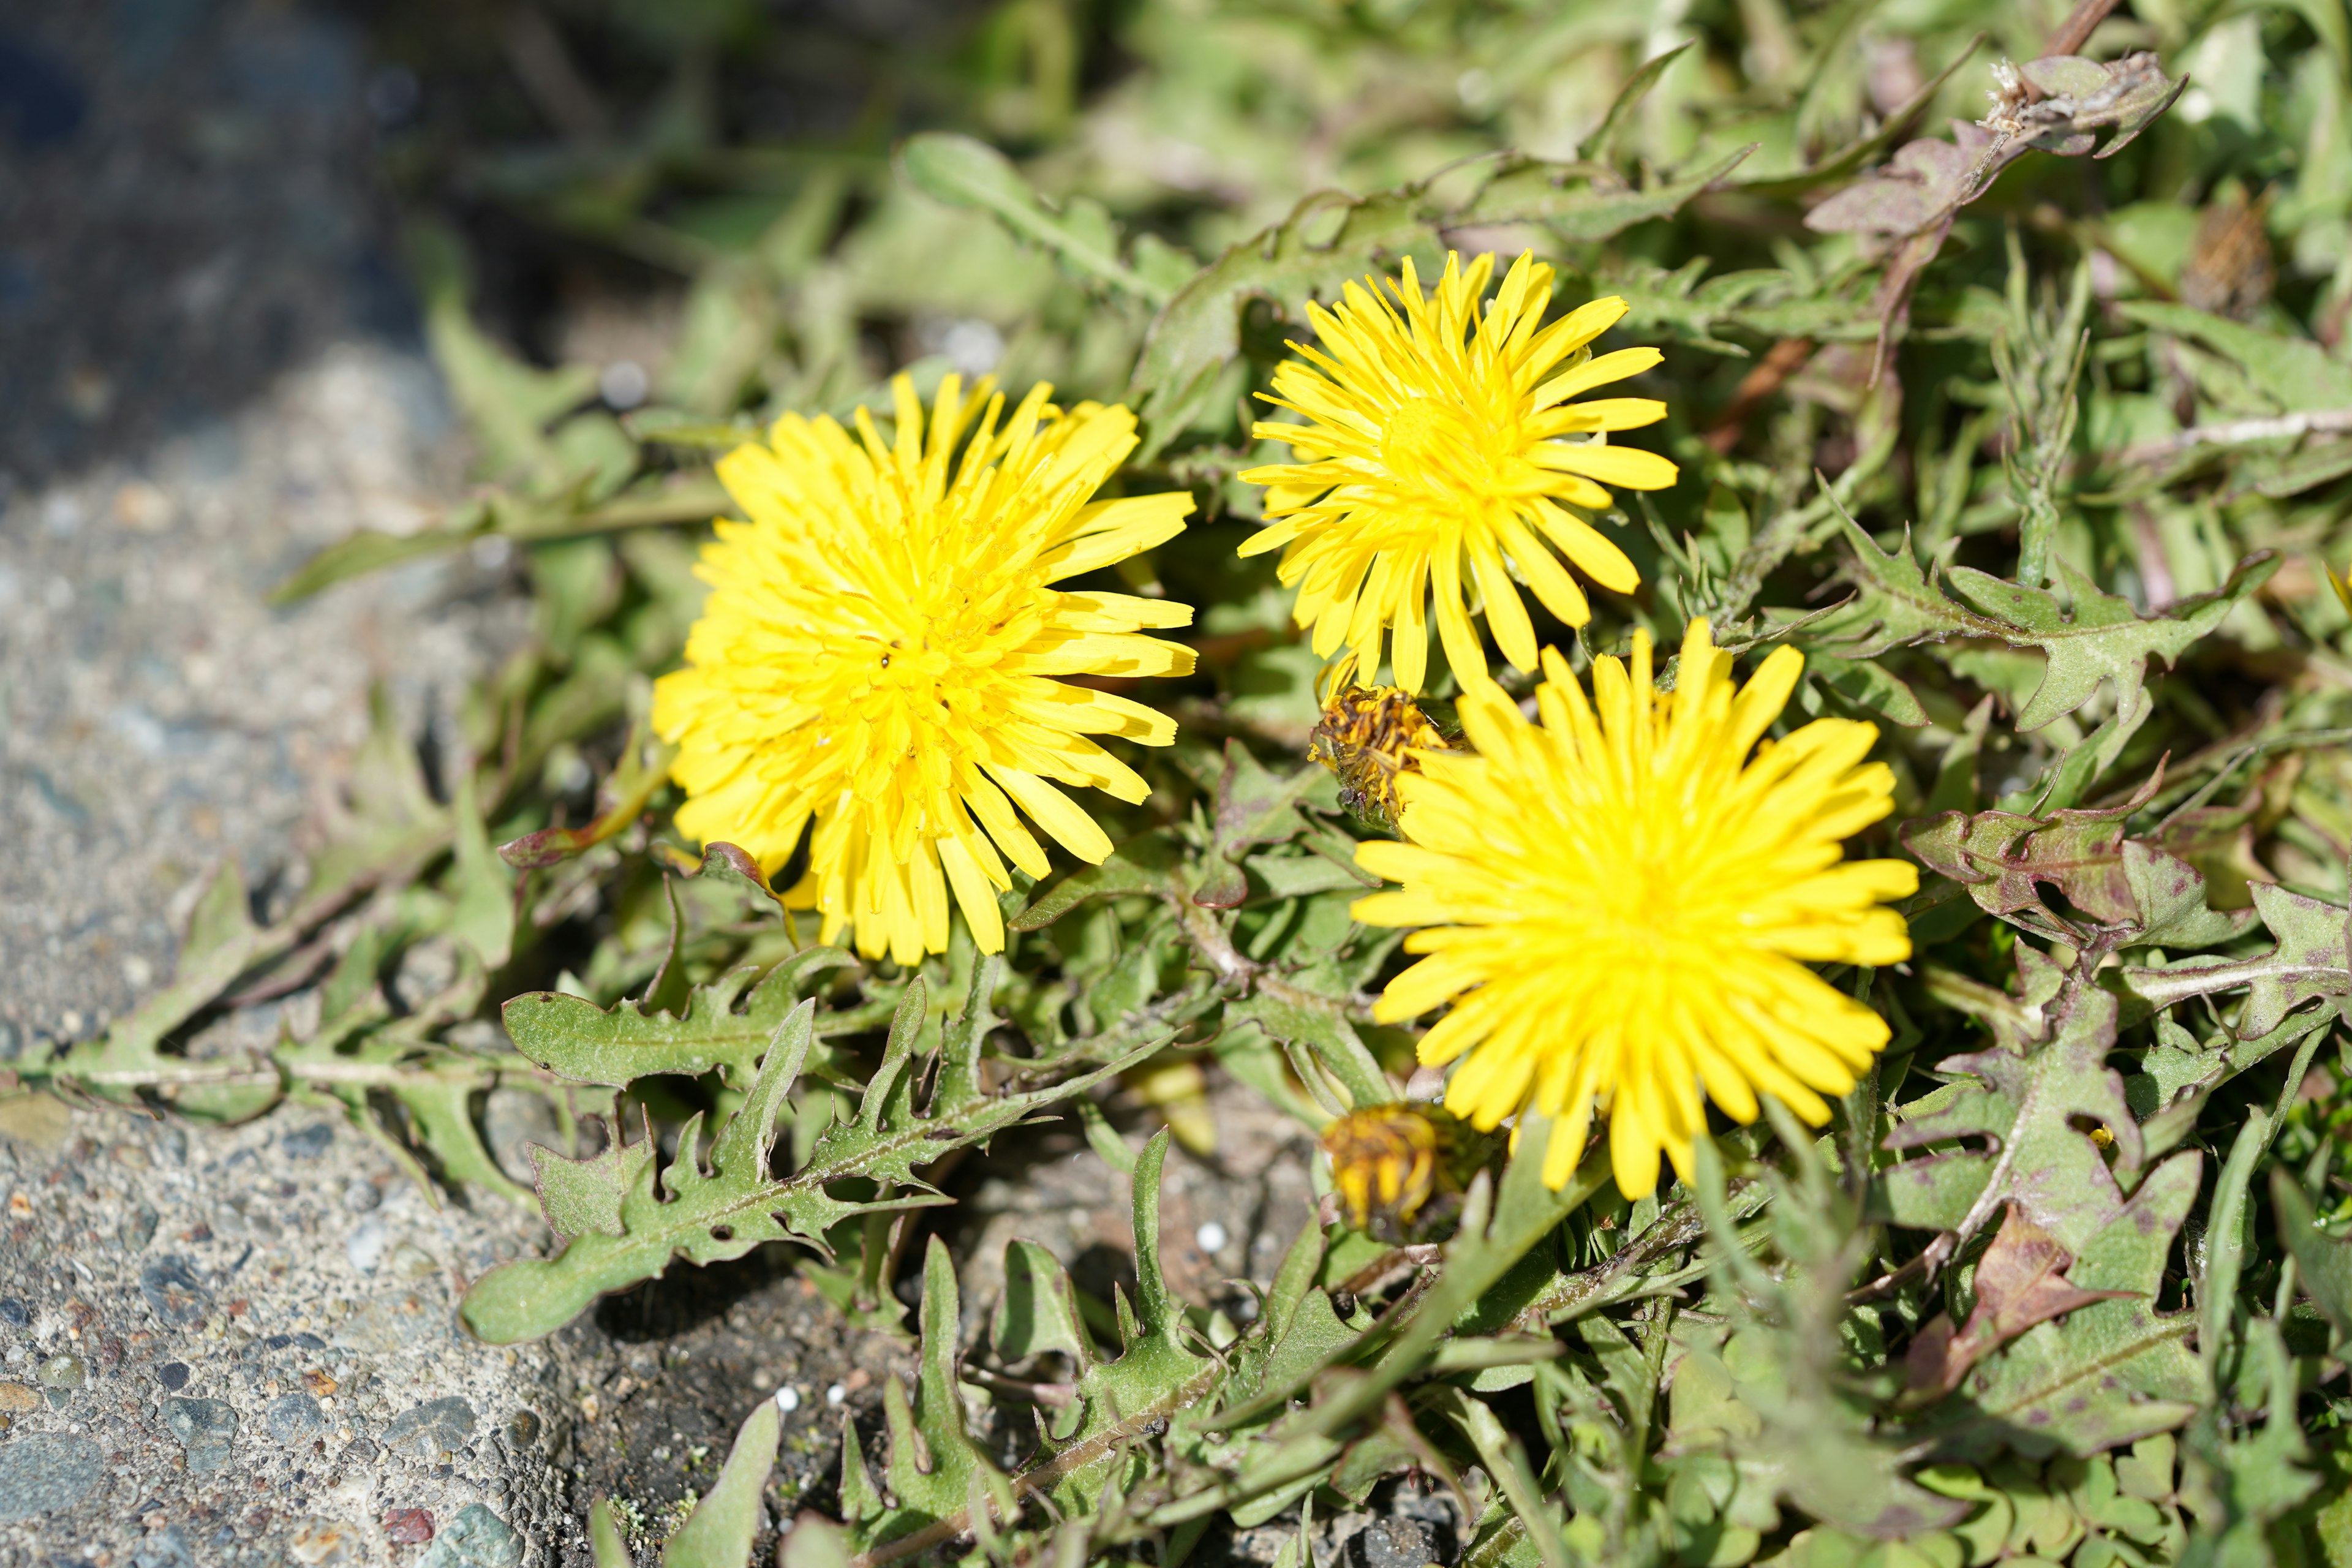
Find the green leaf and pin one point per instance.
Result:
(2101, 638)
(1864, 683)
(968, 173)
(484, 918)
(719, 1532)
(604, 1543)
(1252, 807)
(2185, 1079)
(723, 1212)
(1329, 240)
(2295, 373)
(685, 498)
(2028, 1105)
(508, 403)
(1584, 200)
(587, 1044)
(1038, 1310)
(2124, 885)
(222, 943)
(2110, 1372)
(935, 1469)
(620, 799)
(1149, 863)
(2323, 1262)
(2308, 961)
(583, 1197)
(1326, 1034)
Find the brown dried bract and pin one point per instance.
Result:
(1367, 736)
(1399, 1169)
(2230, 271)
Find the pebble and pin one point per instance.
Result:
(1210, 1237)
(522, 1428)
(836, 1393)
(1395, 1544)
(788, 1399)
(167, 1548)
(324, 1543)
(61, 1375)
(310, 1142)
(137, 1228)
(410, 1261)
(437, 1427)
(45, 1473)
(173, 1291)
(366, 1245)
(408, 1526)
(360, 1196)
(16, 1397)
(173, 1375)
(294, 1416)
(13, 1312)
(205, 1428)
(476, 1538)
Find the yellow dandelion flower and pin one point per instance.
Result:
(1620, 903)
(878, 652)
(1442, 454)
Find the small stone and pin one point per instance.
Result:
(205, 1428)
(13, 1312)
(360, 1196)
(167, 1548)
(440, 1427)
(320, 1381)
(173, 1375)
(1210, 1237)
(788, 1399)
(62, 1376)
(408, 1526)
(45, 1473)
(476, 1538)
(323, 1543)
(522, 1429)
(366, 1245)
(1394, 1543)
(16, 1398)
(137, 1228)
(173, 1291)
(308, 1143)
(294, 1416)
(410, 1261)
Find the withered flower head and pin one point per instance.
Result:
(1367, 736)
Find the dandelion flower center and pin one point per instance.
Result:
(1443, 461)
(875, 667)
(1620, 902)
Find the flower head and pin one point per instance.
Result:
(1620, 902)
(877, 654)
(1368, 736)
(1441, 457)
(1401, 1167)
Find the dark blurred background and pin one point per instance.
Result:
(196, 194)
